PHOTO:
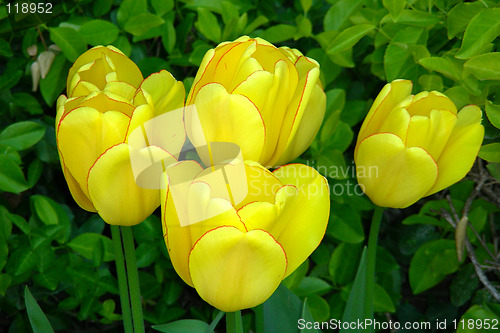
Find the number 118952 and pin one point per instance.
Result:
(33, 8)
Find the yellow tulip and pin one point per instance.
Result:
(267, 100)
(107, 99)
(411, 146)
(237, 258)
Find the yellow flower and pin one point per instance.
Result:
(267, 100)
(410, 146)
(237, 255)
(107, 99)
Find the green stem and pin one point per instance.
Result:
(259, 318)
(122, 279)
(133, 279)
(371, 257)
(234, 324)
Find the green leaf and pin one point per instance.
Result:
(22, 135)
(184, 325)
(293, 280)
(460, 16)
(463, 285)
(208, 25)
(122, 44)
(282, 311)
(442, 65)
(485, 66)
(27, 102)
(69, 40)
(417, 18)
(101, 7)
(99, 32)
(349, 37)
(319, 305)
(311, 286)
(55, 81)
(382, 302)
(305, 4)
(11, 177)
(161, 7)
(259, 20)
(339, 13)
(493, 113)
(139, 24)
(85, 244)
(38, 320)
(424, 219)
(344, 263)
(395, 8)
(5, 281)
(129, 9)
(44, 210)
(482, 30)
(345, 224)
(355, 307)
(5, 50)
(490, 152)
(431, 263)
(168, 37)
(431, 82)
(279, 33)
(482, 319)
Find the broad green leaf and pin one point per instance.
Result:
(431, 82)
(482, 319)
(329, 71)
(443, 65)
(85, 244)
(55, 81)
(168, 37)
(99, 32)
(381, 300)
(463, 285)
(306, 4)
(38, 320)
(140, 24)
(184, 325)
(161, 7)
(344, 263)
(11, 177)
(490, 152)
(282, 311)
(339, 13)
(69, 40)
(304, 27)
(101, 7)
(27, 102)
(482, 30)
(432, 262)
(312, 285)
(293, 280)
(485, 66)
(5, 281)
(259, 20)
(460, 16)
(198, 53)
(345, 224)
(123, 45)
(349, 37)
(279, 33)
(129, 9)
(355, 308)
(5, 50)
(4, 252)
(208, 25)
(395, 8)
(331, 164)
(424, 219)
(44, 210)
(22, 135)
(415, 18)
(493, 113)
(341, 138)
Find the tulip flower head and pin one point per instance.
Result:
(108, 99)
(411, 146)
(236, 255)
(267, 100)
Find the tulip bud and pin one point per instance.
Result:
(92, 128)
(236, 255)
(411, 146)
(267, 100)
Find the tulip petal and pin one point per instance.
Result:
(391, 174)
(222, 115)
(163, 92)
(114, 192)
(84, 134)
(307, 129)
(391, 95)
(262, 184)
(424, 102)
(441, 126)
(397, 123)
(76, 191)
(234, 270)
(418, 132)
(305, 207)
(461, 150)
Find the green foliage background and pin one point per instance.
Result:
(64, 254)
